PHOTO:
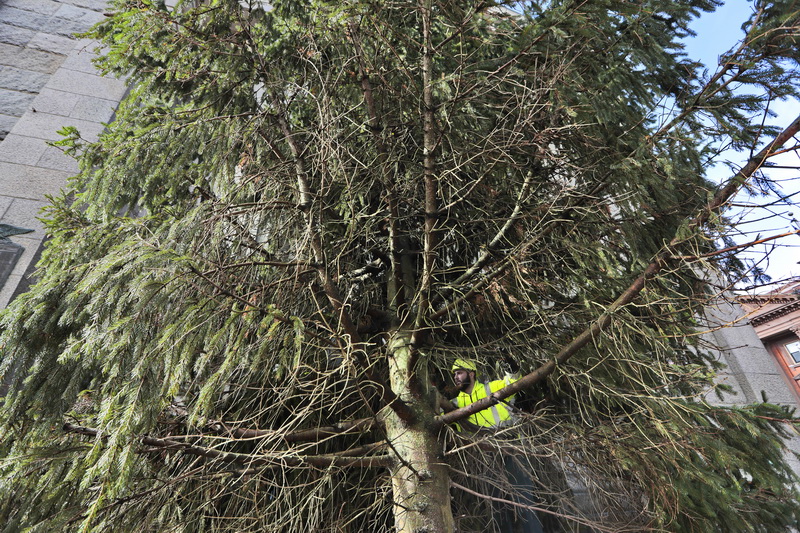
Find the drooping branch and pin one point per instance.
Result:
(274, 460)
(163, 485)
(315, 434)
(661, 260)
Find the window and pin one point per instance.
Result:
(787, 351)
(793, 349)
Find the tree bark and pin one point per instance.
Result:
(420, 478)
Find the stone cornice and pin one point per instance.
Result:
(764, 299)
(790, 306)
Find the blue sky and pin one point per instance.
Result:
(716, 33)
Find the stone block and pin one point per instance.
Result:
(10, 252)
(50, 43)
(25, 213)
(22, 150)
(14, 35)
(41, 61)
(5, 202)
(95, 5)
(30, 183)
(80, 60)
(44, 7)
(29, 59)
(55, 159)
(21, 80)
(46, 126)
(94, 109)
(87, 84)
(85, 45)
(6, 124)
(22, 18)
(82, 15)
(15, 103)
(9, 53)
(756, 360)
(55, 102)
(66, 28)
(777, 388)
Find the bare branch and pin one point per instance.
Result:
(260, 460)
(734, 248)
(593, 524)
(315, 434)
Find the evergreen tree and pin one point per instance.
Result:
(254, 289)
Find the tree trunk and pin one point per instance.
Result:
(420, 479)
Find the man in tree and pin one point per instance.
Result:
(470, 391)
(519, 519)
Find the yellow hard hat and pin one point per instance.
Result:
(463, 364)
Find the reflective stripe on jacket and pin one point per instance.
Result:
(496, 415)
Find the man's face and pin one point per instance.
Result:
(463, 378)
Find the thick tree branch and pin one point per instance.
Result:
(711, 88)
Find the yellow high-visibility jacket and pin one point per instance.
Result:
(496, 415)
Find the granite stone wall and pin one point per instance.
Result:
(750, 370)
(47, 81)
